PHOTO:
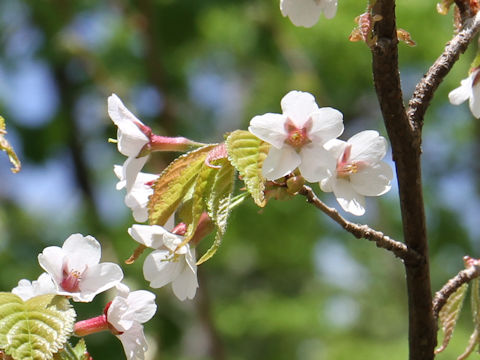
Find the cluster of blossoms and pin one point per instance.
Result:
(169, 263)
(74, 270)
(304, 137)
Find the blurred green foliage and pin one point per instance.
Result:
(286, 283)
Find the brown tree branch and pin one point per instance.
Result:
(452, 285)
(425, 89)
(406, 154)
(362, 231)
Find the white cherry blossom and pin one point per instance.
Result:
(76, 269)
(307, 12)
(167, 264)
(42, 286)
(469, 89)
(356, 170)
(297, 136)
(126, 314)
(131, 138)
(137, 198)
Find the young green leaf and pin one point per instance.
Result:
(174, 183)
(474, 340)
(218, 204)
(246, 152)
(202, 189)
(472, 343)
(449, 315)
(36, 328)
(79, 352)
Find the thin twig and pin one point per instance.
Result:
(362, 231)
(452, 285)
(425, 89)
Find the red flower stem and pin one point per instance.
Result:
(91, 326)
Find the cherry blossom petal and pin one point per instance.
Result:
(301, 12)
(42, 286)
(316, 161)
(137, 198)
(134, 342)
(336, 147)
(298, 106)
(122, 183)
(270, 128)
(326, 185)
(280, 162)
(81, 251)
(131, 169)
(97, 279)
(474, 103)
(137, 202)
(159, 270)
(142, 304)
(374, 180)
(327, 124)
(348, 198)
(462, 93)
(170, 224)
(368, 146)
(152, 236)
(141, 179)
(130, 145)
(130, 307)
(130, 138)
(122, 290)
(118, 314)
(329, 8)
(191, 259)
(51, 260)
(185, 285)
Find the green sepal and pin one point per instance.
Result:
(219, 204)
(247, 153)
(34, 329)
(448, 316)
(174, 183)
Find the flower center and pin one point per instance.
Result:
(71, 279)
(297, 137)
(345, 167)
